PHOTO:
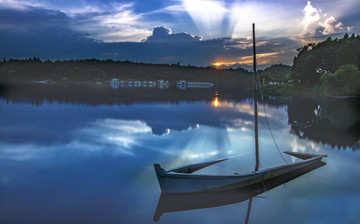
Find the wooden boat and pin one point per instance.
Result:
(198, 200)
(180, 180)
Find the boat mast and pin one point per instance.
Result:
(256, 121)
(255, 102)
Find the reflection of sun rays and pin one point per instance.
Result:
(208, 143)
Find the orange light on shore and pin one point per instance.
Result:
(263, 58)
(217, 64)
(215, 102)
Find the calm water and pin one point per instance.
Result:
(77, 163)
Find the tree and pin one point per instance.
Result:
(346, 80)
(313, 60)
(346, 55)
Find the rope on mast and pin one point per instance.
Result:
(268, 123)
(256, 84)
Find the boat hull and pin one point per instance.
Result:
(186, 183)
(200, 200)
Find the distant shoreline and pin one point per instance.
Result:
(144, 75)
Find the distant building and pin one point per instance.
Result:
(200, 85)
(114, 81)
(183, 84)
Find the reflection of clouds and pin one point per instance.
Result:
(107, 135)
(124, 126)
(244, 115)
(193, 155)
(219, 127)
(246, 107)
(238, 123)
(301, 145)
(18, 151)
(297, 146)
(121, 141)
(242, 107)
(119, 135)
(183, 146)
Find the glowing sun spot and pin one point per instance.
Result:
(217, 64)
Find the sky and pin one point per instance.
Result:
(195, 32)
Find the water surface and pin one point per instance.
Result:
(71, 162)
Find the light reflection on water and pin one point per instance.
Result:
(93, 164)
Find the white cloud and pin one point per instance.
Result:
(18, 4)
(120, 15)
(316, 23)
(117, 23)
(331, 26)
(106, 22)
(163, 34)
(113, 21)
(310, 19)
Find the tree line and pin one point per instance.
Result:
(15, 71)
(331, 65)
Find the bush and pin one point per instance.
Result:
(346, 80)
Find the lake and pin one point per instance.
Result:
(71, 161)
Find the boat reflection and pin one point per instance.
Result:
(175, 202)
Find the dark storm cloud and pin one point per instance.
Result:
(31, 18)
(38, 32)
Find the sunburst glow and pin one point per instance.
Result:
(217, 64)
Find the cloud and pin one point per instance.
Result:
(121, 135)
(310, 19)
(53, 34)
(31, 18)
(119, 23)
(52, 43)
(163, 34)
(106, 22)
(316, 25)
(18, 4)
(332, 26)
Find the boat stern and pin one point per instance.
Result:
(304, 156)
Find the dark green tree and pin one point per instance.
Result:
(313, 60)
